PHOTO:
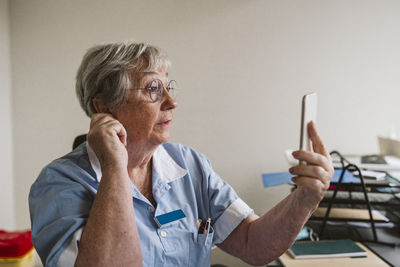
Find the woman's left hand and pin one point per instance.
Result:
(314, 177)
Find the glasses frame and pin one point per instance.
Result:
(170, 90)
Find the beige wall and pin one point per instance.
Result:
(242, 67)
(7, 208)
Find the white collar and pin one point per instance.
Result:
(163, 164)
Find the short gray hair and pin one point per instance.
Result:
(106, 72)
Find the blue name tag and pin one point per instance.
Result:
(169, 217)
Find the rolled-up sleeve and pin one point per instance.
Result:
(230, 219)
(225, 206)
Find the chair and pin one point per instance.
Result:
(79, 140)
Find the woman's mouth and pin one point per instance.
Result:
(165, 123)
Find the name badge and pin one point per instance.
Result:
(169, 217)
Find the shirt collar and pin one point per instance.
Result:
(94, 161)
(166, 166)
(163, 164)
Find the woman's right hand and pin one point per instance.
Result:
(108, 139)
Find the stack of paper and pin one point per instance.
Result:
(379, 176)
(350, 214)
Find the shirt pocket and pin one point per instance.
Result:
(200, 249)
(175, 249)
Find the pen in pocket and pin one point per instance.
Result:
(207, 230)
(198, 225)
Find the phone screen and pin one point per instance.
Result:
(308, 113)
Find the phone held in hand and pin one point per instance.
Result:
(308, 113)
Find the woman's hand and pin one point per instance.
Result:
(107, 137)
(314, 177)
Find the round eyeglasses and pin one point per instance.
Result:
(156, 89)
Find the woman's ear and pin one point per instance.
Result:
(99, 106)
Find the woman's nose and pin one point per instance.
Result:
(168, 102)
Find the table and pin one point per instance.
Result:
(371, 260)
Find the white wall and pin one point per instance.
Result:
(242, 66)
(7, 208)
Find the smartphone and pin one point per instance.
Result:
(308, 113)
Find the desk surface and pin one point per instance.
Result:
(390, 254)
(371, 260)
(388, 235)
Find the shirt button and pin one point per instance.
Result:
(150, 208)
(163, 233)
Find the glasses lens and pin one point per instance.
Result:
(172, 85)
(155, 90)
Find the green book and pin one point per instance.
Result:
(326, 249)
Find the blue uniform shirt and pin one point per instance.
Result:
(60, 201)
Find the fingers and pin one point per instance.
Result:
(99, 118)
(313, 158)
(310, 175)
(314, 177)
(320, 157)
(103, 123)
(122, 135)
(307, 182)
(313, 171)
(318, 145)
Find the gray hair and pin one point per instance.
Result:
(106, 72)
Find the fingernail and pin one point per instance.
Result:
(291, 170)
(295, 153)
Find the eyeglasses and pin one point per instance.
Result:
(156, 89)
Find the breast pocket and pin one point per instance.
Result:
(200, 249)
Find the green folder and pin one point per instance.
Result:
(326, 249)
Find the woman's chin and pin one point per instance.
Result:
(161, 139)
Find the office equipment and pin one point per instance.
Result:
(361, 185)
(394, 175)
(373, 159)
(326, 249)
(389, 146)
(355, 192)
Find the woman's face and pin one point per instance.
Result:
(146, 122)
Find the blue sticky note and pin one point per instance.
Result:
(169, 217)
(276, 178)
(347, 178)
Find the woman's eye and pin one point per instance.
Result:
(153, 89)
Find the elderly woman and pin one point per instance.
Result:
(129, 198)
